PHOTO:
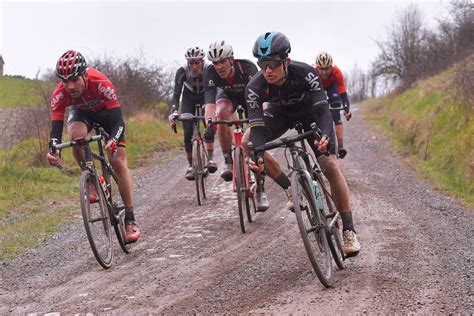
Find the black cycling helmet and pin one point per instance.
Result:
(271, 44)
(71, 64)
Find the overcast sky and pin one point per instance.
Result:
(33, 34)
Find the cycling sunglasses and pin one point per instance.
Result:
(272, 63)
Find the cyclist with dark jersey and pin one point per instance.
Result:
(190, 77)
(333, 83)
(294, 92)
(91, 98)
(224, 90)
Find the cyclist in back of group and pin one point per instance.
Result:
(191, 77)
(294, 92)
(224, 89)
(333, 83)
(91, 98)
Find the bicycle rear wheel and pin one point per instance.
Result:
(312, 228)
(96, 219)
(241, 188)
(198, 171)
(117, 214)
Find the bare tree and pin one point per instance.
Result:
(402, 53)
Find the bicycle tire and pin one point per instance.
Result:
(96, 220)
(249, 196)
(328, 212)
(117, 213)
(240, 188)
(196, 170)
(312, 228)
(204, 172)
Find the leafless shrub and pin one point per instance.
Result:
(139, 85)
(412, 52)
(465, 81)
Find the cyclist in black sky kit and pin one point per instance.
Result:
(191, 77)
(294, 93)
(224, 90)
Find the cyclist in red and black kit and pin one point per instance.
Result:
(91, 98)
(294, 92)
(191, 77)
(224, 90)
(333, 83)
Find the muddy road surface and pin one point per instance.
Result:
(417, 254)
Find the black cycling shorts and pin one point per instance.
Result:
(103, 118)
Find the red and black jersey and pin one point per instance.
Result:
(335, 77)
(99, 95)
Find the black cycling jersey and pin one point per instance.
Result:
(244, 71)
(302, 89)
(194, 84)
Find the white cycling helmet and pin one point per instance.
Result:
(194, 53)
(324, 60)
(219, 50)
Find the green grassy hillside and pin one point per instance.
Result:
(433, 124)
(20, 92)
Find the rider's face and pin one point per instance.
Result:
(223, 67)
(324, 72)
(274, 70)
(195, 65)
(75, 87)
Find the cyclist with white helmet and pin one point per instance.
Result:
(333, 83)
(191, 77)
(224, 90)
(294, 92)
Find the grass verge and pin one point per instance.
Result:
(37, 201)
(434, 127)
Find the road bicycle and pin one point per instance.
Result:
(199, 151)
(242, 176)
(318, 220)
(101, 204)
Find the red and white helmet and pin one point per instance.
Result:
(219, 50)
(71, 64)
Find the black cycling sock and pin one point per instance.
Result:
(190, 161)
(283, 181)
(210, 154)
(347, 223)
(227, 156)
(129, 215)
(340, 143)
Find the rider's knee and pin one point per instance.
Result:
(223, 109)
(77, 130)
(209, 134)
(330, 167)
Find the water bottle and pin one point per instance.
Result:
(319, 196)
(104, 186)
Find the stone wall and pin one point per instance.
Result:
(20, 123)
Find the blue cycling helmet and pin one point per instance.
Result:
(271, 44)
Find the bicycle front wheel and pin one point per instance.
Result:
(96, 219)
(198, 171)
(328, 210)
(241, 188)
(312, 228)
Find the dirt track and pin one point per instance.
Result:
(417, 254)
